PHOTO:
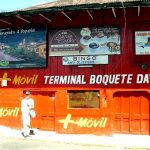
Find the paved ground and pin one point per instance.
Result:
(30, 144)
(42, 140)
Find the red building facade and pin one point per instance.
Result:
(72, 92)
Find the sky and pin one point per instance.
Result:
(11, 5)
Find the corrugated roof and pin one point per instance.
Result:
(69, 5)
(62, 3)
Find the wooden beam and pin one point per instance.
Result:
(139, 11)
(4, 21)
(45, 17)
(19, 17)
(90, 14)
(114, 13)
(66, 15)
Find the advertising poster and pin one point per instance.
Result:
(22, 48)
(84, 41)
(142, 42)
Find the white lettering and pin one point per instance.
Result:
(93, 79)
(46, 79)
(139, 78)
(123, 78)
(73, 79)
(146, 78)
(129, 78)
(117, 79)
(143, 78)
(111, 79)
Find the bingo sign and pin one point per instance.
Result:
(85, 41)
(142, 42)
(85, 60)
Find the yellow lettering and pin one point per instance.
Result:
(1, 112)
(8, 112)
(67, 121)
(35, 80)
(96, 123)
(89, 123)
(5, 112)
(16, 113)
(25, 80)
(104, 123)
(84, 122)
(28, 80)
(16, 80)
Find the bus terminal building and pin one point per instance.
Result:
(86, 64)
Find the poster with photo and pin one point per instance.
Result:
(22, 48)
(142, 42)
(84, 41)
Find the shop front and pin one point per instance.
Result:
(86, 76)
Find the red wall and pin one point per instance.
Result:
(125, 63)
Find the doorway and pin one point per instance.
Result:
(131, 112)
(45, 110)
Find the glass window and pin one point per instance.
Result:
(83, 99)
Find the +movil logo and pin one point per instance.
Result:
(4, 80)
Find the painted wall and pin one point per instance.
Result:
(125, 68)
(52, 112)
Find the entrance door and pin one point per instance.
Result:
(131, 112)
(45, 110)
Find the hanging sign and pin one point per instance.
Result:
(85, 60)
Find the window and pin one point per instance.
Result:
(83, 99)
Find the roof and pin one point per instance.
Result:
(50, 11)
(63, 3)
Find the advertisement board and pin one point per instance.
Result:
(84, 41)
(22, 48)
(142, 42)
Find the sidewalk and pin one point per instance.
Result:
(142, 141)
